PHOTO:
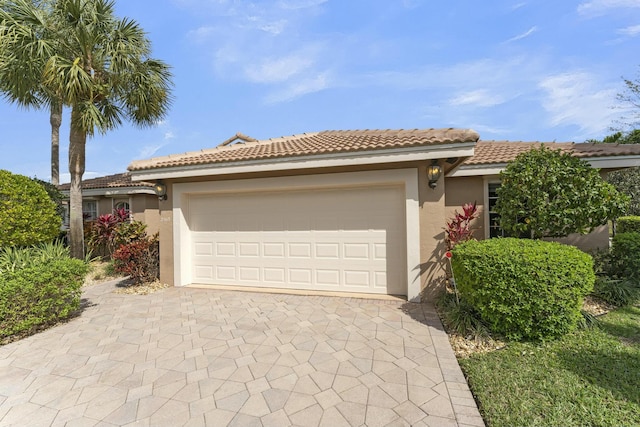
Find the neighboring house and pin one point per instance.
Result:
(341, 211)
(102, 195)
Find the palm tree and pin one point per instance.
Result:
(19, 75)
(102, 71)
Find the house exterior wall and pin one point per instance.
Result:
(144, 208)
(463, 190)
(432, 245)
(427, 272)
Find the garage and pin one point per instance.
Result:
(329, 239)
(346, 232)
(350, 211)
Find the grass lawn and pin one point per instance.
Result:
(588, 378)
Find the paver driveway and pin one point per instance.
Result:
(199, 357)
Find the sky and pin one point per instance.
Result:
(544, 70)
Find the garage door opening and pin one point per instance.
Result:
(328, 239)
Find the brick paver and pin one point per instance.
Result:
(203, 357)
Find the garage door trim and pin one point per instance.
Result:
(407, 178)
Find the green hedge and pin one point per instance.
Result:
(625, 255)
(27, 213)
(41, 293)
(628, 224)
(524, 289)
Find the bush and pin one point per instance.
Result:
(615, 291)
(37, 289)
(548, 193)
(27, 213)
(139, 260)
(628, 224)
(524, 289)
(625, 253)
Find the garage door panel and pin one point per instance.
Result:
(337, 239)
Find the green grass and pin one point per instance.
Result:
(588, 378)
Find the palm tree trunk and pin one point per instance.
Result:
(55, 118)
(77, 142)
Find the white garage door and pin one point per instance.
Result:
(350, 240)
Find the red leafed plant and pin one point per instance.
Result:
(138, 259)
(459, 227)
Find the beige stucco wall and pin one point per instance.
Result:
(165, 228)
(144, 208)
(463, 190)
(435, 206)
(432, 245)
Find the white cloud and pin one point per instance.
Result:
(299, 4)
(479, 98)
(578, 99)
(169, 135)
(201, 34)
(523, 35)
(600, 7)
(278, 70)
(149, 150)
(631, 31)
(275, 27)
(299, 88)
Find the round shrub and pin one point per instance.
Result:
(524, 289)
(27, 213)
(39, 293)
(625, 255)
(628, 224)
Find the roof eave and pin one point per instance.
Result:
(353, 158)
(603, 162)
(113, 191)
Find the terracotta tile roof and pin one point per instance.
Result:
(309, 144)
(491, 152)
(119, 180)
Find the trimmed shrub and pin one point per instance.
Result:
(524, 289)
(628, 224)
(140, 260)
(625, 253)
(27, 213)
(40, 293)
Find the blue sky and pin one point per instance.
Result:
(543, 70)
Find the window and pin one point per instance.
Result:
(122, 205)
(494, 218)
(90, 210)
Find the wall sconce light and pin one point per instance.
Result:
(434, 171)
(161, 190)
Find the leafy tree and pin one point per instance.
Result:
(547, 193)
(626, 181)
(101, 69)
(56, 195)
(27, 213)
(630, 99)
(20, 81)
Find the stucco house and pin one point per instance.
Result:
(102, 195)
(334, 211)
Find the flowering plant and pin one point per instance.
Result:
(459, 227)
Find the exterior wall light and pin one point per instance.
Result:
(161, 190)
(434, 171)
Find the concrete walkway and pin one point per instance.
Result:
(200, 357)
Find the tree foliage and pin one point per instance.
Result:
(626, 181)
(99, 65)
(27, 213)
(547, 193)
(630, 101)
